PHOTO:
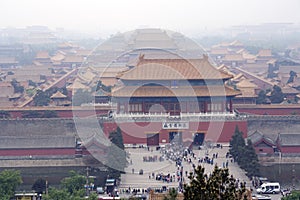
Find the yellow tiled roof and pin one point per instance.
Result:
(173, 69)
(58, 95)
(233, 57)
(265, 53)
(161, 91)
(246, 84)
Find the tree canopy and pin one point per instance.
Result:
(74, 182)
(39, 186)
(292, 77)
(295, 195)
(261, 97)
(17, 87)
(276, 95)
(9, 181)
(243, 154)
(72, 188)
(116, 154)
(218, 186)
(82, 97)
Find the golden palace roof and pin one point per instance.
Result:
(174, 69)
(183, 91)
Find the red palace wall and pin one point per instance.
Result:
(269, 110)
(290, 149)
(215, 131)
(62, 112)
(268, 150)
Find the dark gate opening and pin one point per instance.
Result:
(198, 139)
(153, 139)
(175, 137)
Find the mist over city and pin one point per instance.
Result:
(149, 100)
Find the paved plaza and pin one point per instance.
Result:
(153, 162)
(132, 178)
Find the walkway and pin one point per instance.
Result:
(133, 179)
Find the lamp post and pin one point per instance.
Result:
(87, 181)
(293, 176)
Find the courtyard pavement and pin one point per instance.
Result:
(132, 179)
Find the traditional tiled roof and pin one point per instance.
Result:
(58, 57)
(101, 93)
(248, 56)
(183, 91)
(272, 61)
(289, 139)
(42, 55)
(257, 137)
(289, 90)
(173, 69)
(233, 57)
(77, 85)
(239, 77)
(265, 53)
(219, 51)
(58, 95)
(236, 43)
(73, 59)
(83, 52)
(225, 69)
(245, 83)
(8, 142)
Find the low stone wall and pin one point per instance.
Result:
(41, 163)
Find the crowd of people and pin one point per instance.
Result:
(153, 158)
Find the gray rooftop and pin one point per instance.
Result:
(8, 142)
(289, 139)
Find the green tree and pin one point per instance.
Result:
(261, 97)
(72, 188)
(9, 181)
(218, 186)
(93, 196)
(295, 195)
(41, 98)
(31, 83)
(39, 186)
(57, 194)
(81, 97)
(116, 154)
(292, 77)
(251, 162)
(172, 195)
(17, 87)
(237, 144)
(74, 182)
(243, 154)
(276, 95)
(117, 138)
(100, 85)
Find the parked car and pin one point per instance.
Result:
(100, 190)
(269, 188)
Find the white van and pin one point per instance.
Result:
(269, 188)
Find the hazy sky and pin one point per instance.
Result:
(186, 16)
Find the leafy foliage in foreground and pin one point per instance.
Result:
(218, 186)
